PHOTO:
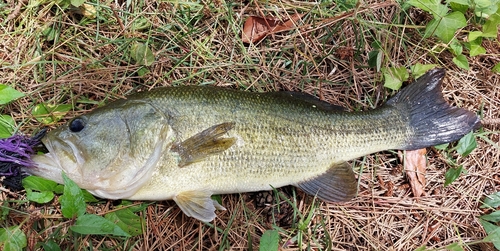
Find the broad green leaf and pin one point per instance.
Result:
(50, 245)
(88, 196)
(217, 198)
(375, 59)
(50, 33)
(420, 69)
(39, 184)
(421, 248)
(459, 7)
(488, 226)
(127, 220)
(461, 61)
(473, 35)
(63, 4)
(462, 2)
(59, 189)
(394, 77)
(7, 126)
(48, 114)
(5, 210)
(467, 144)
(72, 201)
(485, 8)
(493, 217)
(142, 54)
(446, 27)
(39, 197)
(452, 174)
(495, 18)
(432, 6)
(492, 200)
(431, 27)
(496, 68)
(140, 23)
(476, 49)
(137, 207)
(93, 224)
(449, 25)
(376, 45)
(12, 239)
(484, 3)
(493, 232)
(77, 3)
(454, 247)
(456, 47)
(8, 94)
(442, 146)
(269, 241)
(490, 28)
(143, 71)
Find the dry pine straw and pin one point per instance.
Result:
(385, 215)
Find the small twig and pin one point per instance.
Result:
(16, 12)
(112, 6)
(15, 195)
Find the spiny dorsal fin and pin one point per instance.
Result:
(336, 185)
(204, 144)
(304, 97)
(198, 204)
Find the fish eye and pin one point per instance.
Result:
(76, 125)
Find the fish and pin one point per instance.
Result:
(191, 142)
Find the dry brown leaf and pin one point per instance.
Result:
(415, 167)
(256, 28)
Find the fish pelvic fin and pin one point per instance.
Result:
(204, 144)
(431, 119)
(338, 184)
(198, 204)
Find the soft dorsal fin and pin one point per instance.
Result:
(198, 204)
(311, 100)
(204, 144)
(337, 184)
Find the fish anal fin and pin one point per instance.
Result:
(198, 204)
(204, 144)
(336, 185)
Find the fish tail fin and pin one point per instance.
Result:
(431, 119)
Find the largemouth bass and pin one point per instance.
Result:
(188, 143)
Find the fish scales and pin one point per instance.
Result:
(188, 143)
(281, 142)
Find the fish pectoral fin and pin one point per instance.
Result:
(337, 184)
(198, 204)
(203, 144)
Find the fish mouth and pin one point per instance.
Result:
(62, 156)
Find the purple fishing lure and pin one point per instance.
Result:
(15, 153)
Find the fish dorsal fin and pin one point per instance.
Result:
(204, 144)
(311, 100)
(336, 185)
(198, 204)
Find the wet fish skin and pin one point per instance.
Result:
(187, 143)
